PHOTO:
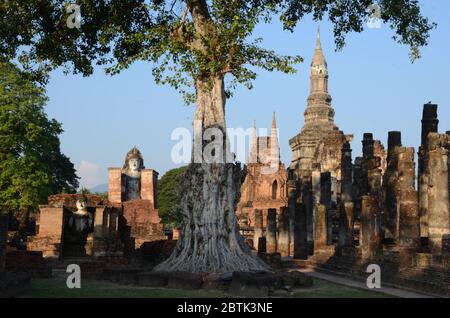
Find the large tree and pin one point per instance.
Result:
(31, 163)
(194, 46)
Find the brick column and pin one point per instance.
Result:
(430, 124)
(369, 234)
(101, 231)
(292, 199)
(346, 206)
(320, 230)
(257, 228)
(346, 222)
(115, 185)
(49, 239)
(325, 200)
(271, 235)
(300, 232)
(283, 233)
(408, 206)
(438, 196)
(149, 180)
(346, 173)
(391, 185)
(315, 189)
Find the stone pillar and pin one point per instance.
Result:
(292, 202)
(357, 187)
(367, 148)
(346, 222)
(315, 188)
(346, 213)
(101, 231)
(369, 234)
(372, 179)
(262, 249)
(283, 233)
(438, 194)
(307, 200)
(258, 228)
(321, 235)
(430, 124)
(346, 174)
(394, 141)
(391, 186)
(149, 180)
(3, 236)
(408, 220)
(325, 199)
(300, 232)
(49, 240)
(271, 234)
(115, 185)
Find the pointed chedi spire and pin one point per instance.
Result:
(318, 58)
(274, 146)
(319, 112)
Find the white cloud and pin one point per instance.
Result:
(89, 173)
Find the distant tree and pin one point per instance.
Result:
(103, 195)
(169, 196)
(32, 166)
(84, 191)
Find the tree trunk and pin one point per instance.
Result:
(209, 240)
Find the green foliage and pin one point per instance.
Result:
(402, 16)
(185, 40)
(31, 163)
(84, 191)
(169, 196)
(103, 195)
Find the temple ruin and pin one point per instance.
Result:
(344, 214)
(133, 190)
(262, 209)
(77, 225)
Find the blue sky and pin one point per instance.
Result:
(374, 87)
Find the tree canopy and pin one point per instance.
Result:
(31, 163)
(169, 196)
(185, 40)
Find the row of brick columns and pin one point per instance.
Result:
(382, 197)
(276, 237)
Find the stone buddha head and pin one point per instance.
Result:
(81, 206)
(134, 163)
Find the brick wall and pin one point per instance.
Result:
(49, 237)
(143, 220)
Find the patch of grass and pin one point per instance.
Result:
(326, 289)
(56, 288)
